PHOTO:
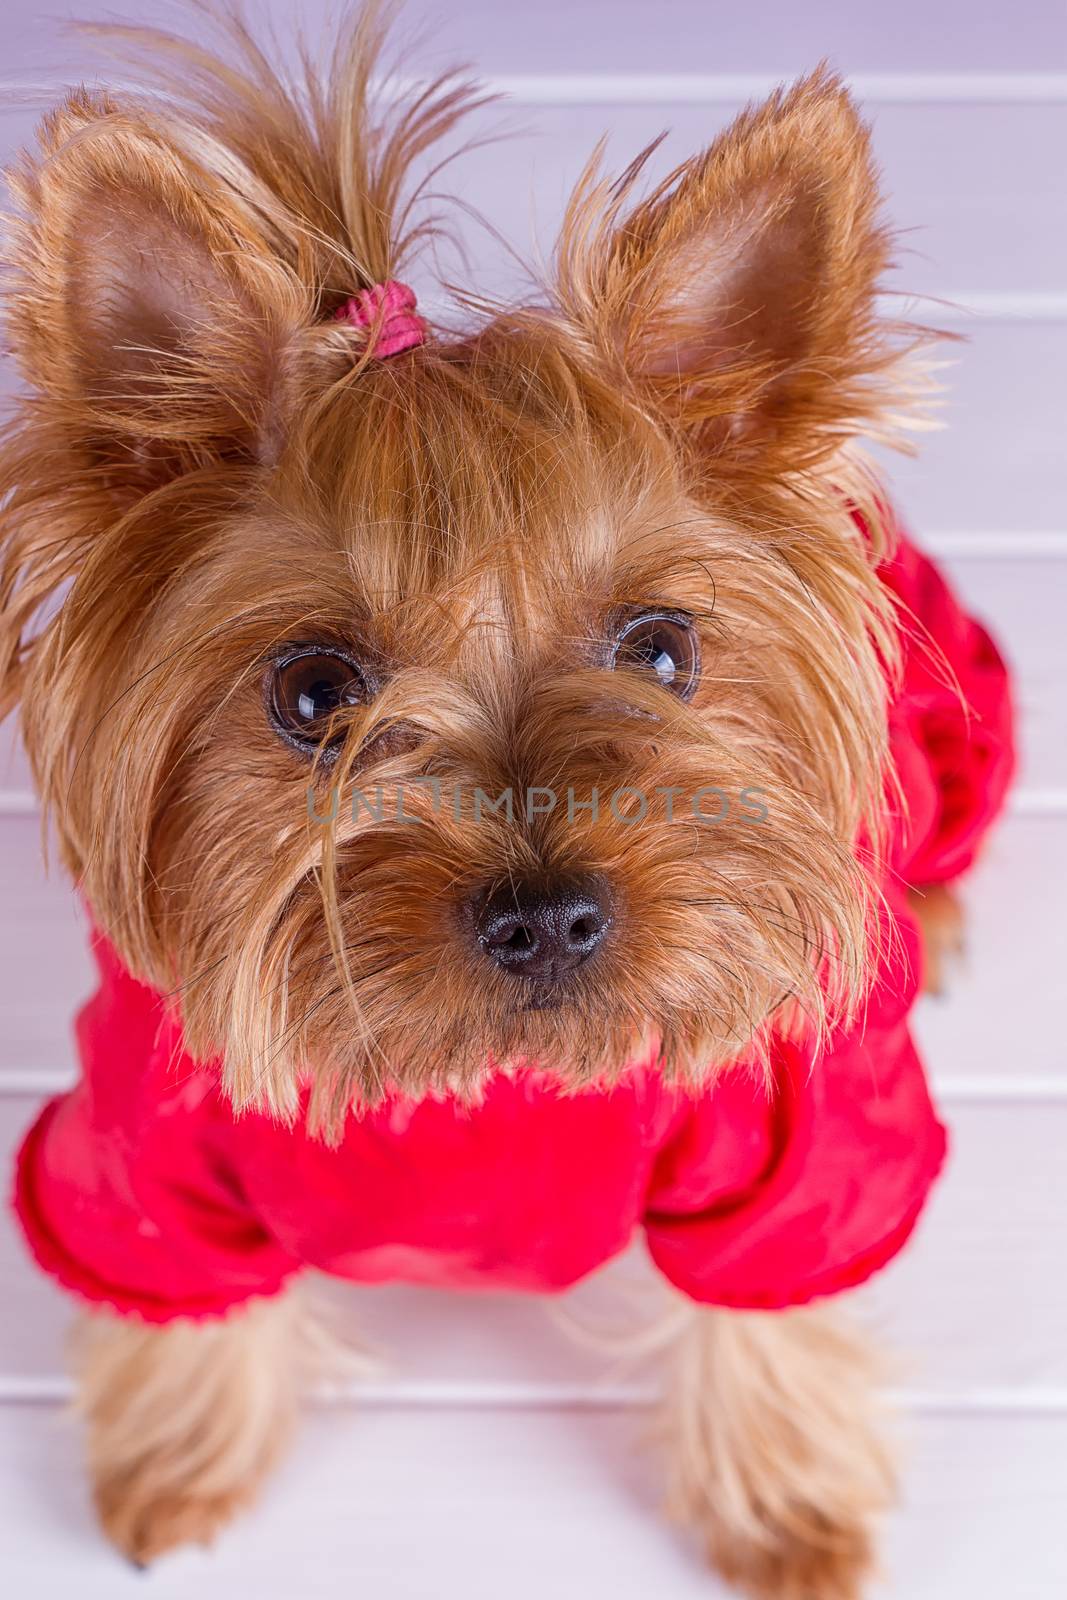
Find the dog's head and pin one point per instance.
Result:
(517, 696)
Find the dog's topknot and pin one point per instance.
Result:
(216, 193)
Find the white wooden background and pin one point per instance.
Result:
(492, 1453)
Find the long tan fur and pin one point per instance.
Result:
(185, 1421)
(776, 1451)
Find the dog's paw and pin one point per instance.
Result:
(144, 1521)
(826, 1562)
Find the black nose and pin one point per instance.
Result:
(545, 931)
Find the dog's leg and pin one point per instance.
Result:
(939, 914)
(184, 1421)
(777, 1455)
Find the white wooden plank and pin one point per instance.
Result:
(944, 90)
(598, 37)
(979, 1519)
(1022, 604)
(399, 1505)
(14, 768)
(45, 966)
(980, 1296)
(709, 89)
(997, 462)
(975, 192)
(977, 1303)
(1001, 1016)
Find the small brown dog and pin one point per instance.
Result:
(377, 681)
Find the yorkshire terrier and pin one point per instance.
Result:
(509, 769)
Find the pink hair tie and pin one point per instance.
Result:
(390, 309)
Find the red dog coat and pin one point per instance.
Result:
(141, 1190)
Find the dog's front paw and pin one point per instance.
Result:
(184, 1421)
(815, 1560)
(144, 1519)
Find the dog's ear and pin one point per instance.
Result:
(152, 305)
(740, 296)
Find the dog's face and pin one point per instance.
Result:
(518, 697)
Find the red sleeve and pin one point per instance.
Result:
(765, 1199)
(124, 1189)
(951, 724)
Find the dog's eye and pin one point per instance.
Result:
(663, 643)
(305, 690)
